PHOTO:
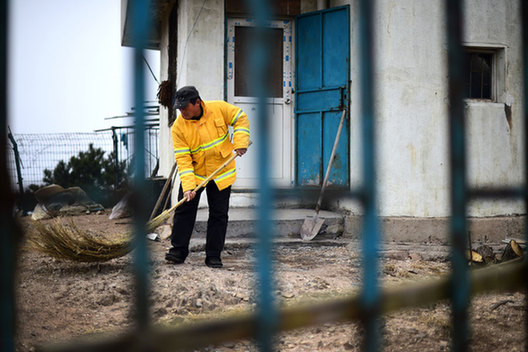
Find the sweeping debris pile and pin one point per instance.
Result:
(67, 241)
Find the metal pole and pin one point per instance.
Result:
(140, 10)
(524, 19)
(460, 289)
(17, 162)
(370, 294)
(116, 159)
(8, 235)
(267, 313)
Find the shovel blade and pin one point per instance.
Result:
(310, 228)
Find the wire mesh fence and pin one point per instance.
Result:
(38, 152)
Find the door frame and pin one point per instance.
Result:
(286, 101)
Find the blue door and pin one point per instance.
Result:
(322, 91)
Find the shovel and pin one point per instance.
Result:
(312, 224)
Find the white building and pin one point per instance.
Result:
(315, 72)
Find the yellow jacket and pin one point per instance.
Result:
(201, 146)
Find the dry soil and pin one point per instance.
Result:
(58, 300)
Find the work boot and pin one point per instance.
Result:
(175, 256)
(213, 262)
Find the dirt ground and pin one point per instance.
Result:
(58, 300)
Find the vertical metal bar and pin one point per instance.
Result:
(7, 225)
(140, 10)
(267, 314)
(116, 158)
(17, 162)
(460, 289)
(370, 294)
(524, 19)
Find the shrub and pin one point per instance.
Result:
(91, 171)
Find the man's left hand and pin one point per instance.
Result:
(241, 151)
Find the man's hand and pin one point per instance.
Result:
(241, 151)
(189, 195)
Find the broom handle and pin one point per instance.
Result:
(204, 182)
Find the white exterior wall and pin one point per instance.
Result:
(411, 99)
(411, 108)
(494, 147)
(201, 47)
(166, 152)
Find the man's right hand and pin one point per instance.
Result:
(189, 195)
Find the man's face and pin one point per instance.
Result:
(191, 110)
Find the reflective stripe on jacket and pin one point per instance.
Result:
(200, 147)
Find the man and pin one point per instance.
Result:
(200, 135)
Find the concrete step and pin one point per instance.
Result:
(286, 222)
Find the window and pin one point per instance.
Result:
(244, 84)
(480, 73)
(485, 73)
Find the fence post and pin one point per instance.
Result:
(8, 235)
(140, 11)
(267, 312)
(524, 25)
(17, 162)
(116, 158)
(370, 292)
(460, 288)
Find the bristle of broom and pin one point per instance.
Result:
(69, 242)
(158, 221)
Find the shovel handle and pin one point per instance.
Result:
(327, 175)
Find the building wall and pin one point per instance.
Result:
(495, 137)
(411, 108)
(201, 30)
(411, 98)
(166, 153)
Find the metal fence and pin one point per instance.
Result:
(372, 302)
(37, 152)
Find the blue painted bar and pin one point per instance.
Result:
(140, 10)
(370, 292)
(266, 310)
(460, 289)
(7, 227)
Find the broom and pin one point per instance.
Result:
(160, 219)
(69, 242)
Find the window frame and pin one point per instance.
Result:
(498, 66)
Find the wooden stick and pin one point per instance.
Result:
(162, 194)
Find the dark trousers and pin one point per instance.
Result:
(185, 217)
